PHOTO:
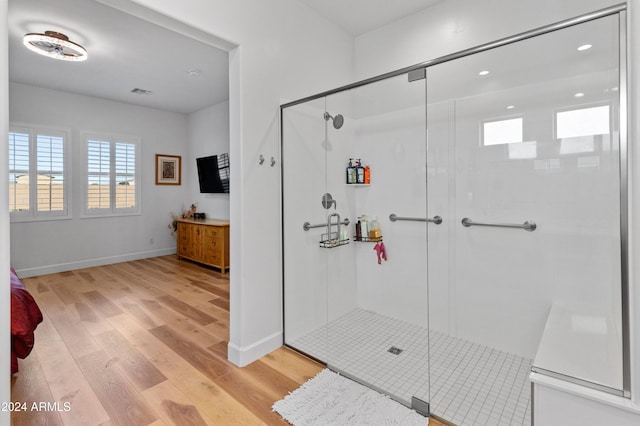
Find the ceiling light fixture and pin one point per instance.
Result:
(584, 47)
(55, 45)
(511, 107)
(485, 72)
(579, 95)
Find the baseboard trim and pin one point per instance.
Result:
(70, 266)
(245, 355)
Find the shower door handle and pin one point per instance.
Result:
(436, 219)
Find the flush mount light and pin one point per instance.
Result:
(485, 72)
(579, 95)
(511, 107)
(55, 45)
(584, 47)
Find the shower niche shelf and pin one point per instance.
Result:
(358, 185)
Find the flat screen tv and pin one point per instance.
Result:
(213, 174)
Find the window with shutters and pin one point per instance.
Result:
(112, 173)
(38, 184)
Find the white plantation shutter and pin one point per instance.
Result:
(125, 175)
(112, 171)
(98, 176)
(19, 185)
(50, 173)
(37, 174)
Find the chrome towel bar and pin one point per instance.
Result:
(436, 219)
(527, 226)
(306, 226)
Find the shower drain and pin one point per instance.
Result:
(394, 350)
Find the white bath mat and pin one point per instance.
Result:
(330, 399)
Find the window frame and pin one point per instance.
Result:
(112, 210)
(33, 214)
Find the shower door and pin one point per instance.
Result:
(358, 302)
(527, 134)
(380, 338)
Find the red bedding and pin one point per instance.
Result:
(25, 317)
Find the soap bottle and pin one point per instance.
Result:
(367, 175)
(358, 230)
(359, 172)
(374, 229)
(364, 226)
(351, 172)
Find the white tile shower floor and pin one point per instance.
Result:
(471, 384)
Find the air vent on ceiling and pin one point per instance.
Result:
(139, 91)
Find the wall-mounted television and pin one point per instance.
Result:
(213, 174)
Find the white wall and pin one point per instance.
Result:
(454, 25)
(208, 135)
(51, 246)
(286, 51)
(5, 304)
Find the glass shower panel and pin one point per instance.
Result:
(305, 270)
(378, 322)
(527, 135)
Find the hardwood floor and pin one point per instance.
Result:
(145, 343)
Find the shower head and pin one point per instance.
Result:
(338, 120)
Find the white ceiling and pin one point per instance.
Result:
(126, 52)
(361, 16)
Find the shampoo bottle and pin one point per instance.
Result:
(364, 226)
(351, 172)
(367, 175)
(359, 172)
(374, 229)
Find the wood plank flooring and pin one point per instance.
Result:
(145, 343)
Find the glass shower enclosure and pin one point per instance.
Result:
(449, 228)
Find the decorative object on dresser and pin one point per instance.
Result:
(204, 241)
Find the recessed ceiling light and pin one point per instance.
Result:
(584, 47)
(579, 95)
(511, 107)
(485, 72)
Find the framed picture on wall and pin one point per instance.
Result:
(168, 169)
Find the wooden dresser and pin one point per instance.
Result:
(205, 241)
